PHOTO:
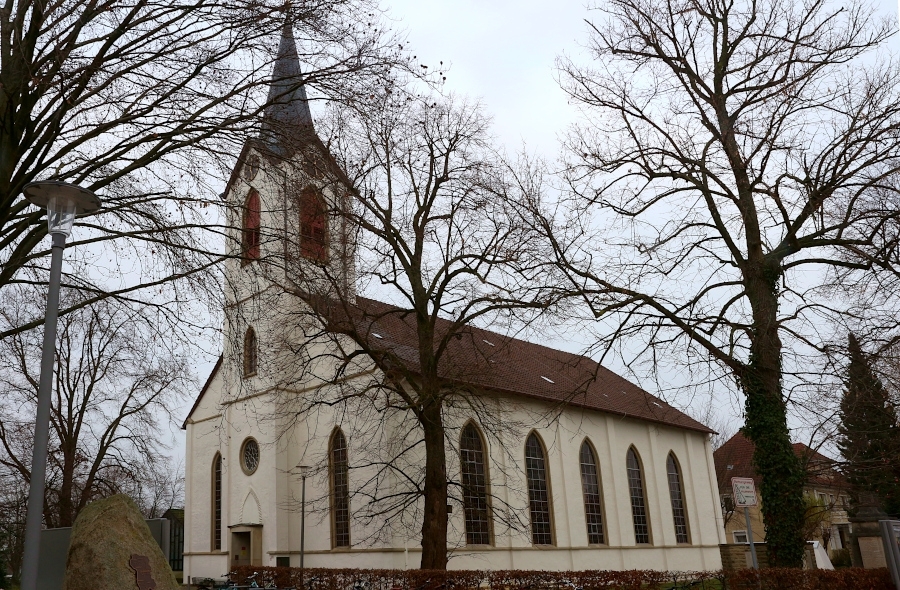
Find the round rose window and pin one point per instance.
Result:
(250, 456)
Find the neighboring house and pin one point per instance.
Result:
(615, 479)
(826, 517)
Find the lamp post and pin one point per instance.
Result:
(63, 202)
(304, 470)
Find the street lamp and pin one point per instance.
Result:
(63, 202)
(304, 470)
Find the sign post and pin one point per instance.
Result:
(745, 496)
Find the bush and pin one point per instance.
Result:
(841, 558)
(851, 578)
(765, 579)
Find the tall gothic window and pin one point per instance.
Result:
(250, 237)
(340, 490)
(593, 502)
(638, 498)
(538, 491)
(313, 226)
(250, 352)
(676, 492)
(474, 487)
(217, 503)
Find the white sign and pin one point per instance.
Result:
(744, 491)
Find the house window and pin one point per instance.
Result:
(474, 487)
(340, 490)
(250, 354)
(590, 486)
(538, 491)
(217, 503)
(638, 499)
(250, 236)
(740, 537)
(676, 493)
(313, 226)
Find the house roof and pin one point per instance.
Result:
(486, 360)
(735, 459)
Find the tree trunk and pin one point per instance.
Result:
(766, 425)
(434, 524)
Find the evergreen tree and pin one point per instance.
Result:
(869, 433)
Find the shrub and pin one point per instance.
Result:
(748, 579)
(841, 558)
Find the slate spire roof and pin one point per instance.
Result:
(287, 114)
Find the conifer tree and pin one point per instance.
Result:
(869, 434)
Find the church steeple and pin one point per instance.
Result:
(287, 115)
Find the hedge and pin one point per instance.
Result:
(766, 579)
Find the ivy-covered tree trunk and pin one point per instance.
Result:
(766, 425)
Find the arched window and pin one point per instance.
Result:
(250, 237)
(676, 492)
(313, 226)
(216, 504)
(638, 498)
(250, 354)
(538, 491)
(593, 501)
(474, 487)
(340, 490)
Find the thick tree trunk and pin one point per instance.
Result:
(434, 524)
(766, 425)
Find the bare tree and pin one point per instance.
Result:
(733, 154)
(118, 380)
(424, 217)
(147, 102)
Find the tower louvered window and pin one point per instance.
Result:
(474, 487)
(313, 226)
(250, 237)
(638, 499)
(538, 491)
(340, 490)
(593, 503)
(676, 493)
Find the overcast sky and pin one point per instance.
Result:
(502, 52)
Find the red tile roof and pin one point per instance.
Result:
(487, 360)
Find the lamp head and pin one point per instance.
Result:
(63, 202)
(303, 469)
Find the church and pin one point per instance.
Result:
(554, 462)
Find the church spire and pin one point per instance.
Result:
(287, 114)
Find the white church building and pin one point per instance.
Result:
(577, 469)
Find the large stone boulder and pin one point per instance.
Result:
(111, 547)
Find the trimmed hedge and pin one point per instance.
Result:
(766, 579)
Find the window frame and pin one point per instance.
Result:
(680, 481)
(332, 489)
(216, 504)
(311, 247)
(734, 535)
(631, 496)
(586, 443)
(244, 467)
(548, 491)
(485, 474)
(251, 228)
(251, 353)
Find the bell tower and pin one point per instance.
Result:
(289, 234)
